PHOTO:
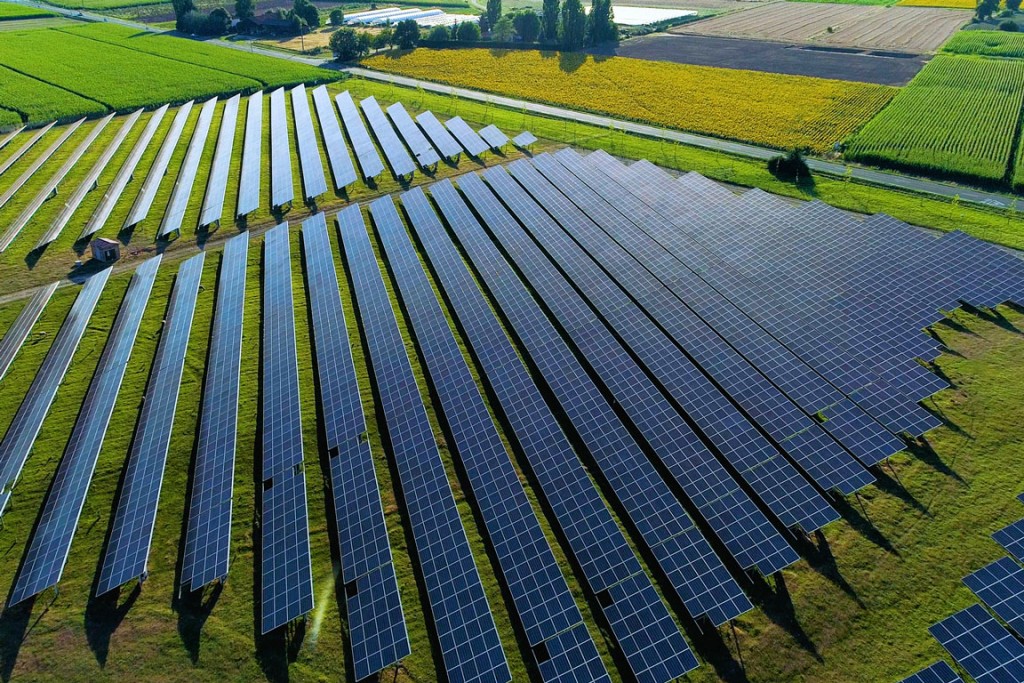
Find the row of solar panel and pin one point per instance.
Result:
(282, 191)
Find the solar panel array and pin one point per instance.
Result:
(135, 516)
(342, 169)
(468, 638)
(281, 189)
(493, 136)
(6, 139)
(147, 194)
(124, 175)
(208, 535)
(48, 550)
(448, 146)
(986, 650)
(16, 335)
(22, 432)
(313, 182)
(939, 672)
(366, 152)
(35, 166)
(426, 155)
(252, 157)
(25, 147)
(1000, 585)
(182, 192)
(467, 137)
(524, 139)
(217, 183)
(376, 623)
(287, 572)
(1012, 539)
(398, 158)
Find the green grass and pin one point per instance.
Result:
(268, 71)
(9, 119)
(101, 5)
(34, 101)
(986, 44)
(957, 118)
(10, 10)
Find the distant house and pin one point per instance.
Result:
(104, 250)
(272, 23)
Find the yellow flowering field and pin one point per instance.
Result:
(761, 108)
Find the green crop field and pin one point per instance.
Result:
(9, 10)
(986, 44)
(9, 119)
(36, 102)
(957, 118)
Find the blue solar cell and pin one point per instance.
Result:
(426, 155)
(1012, 539)
(182, 192)
(493, 136)
(467, 137)
(147, 193)
(1000, 585)
(366, 153)
(132, 529)
(27, 174)
(401, 163)
(314, 183)
(439, 135)
(252, 157)
(986, 651)
(18, 332)
(334, 142)
(939, 672)
(468, 637)
(6, 164)
(217, 184)
(48, 550)
(281, 189)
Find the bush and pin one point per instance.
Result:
(407, 34)
(1009, 25)
(467, 32)
(346, 46)
(790, 167)
(438, 34)
(337, 17)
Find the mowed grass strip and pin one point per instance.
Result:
(270, 72)
(767, 109)
(957, 119)
(33, 101)
(116, 76)
(986, 44)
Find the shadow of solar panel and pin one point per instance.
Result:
(439, 135)
(314, 183)
(939, 672)
(467, 137)
(207, 538)
(25, 147)
(986, 651)
(281, 189)
(465, 629)
(421, 148)
(15, 337)
(252, 157)
(1000, 585)
(366, 153)
(398, 158)
(494, 138)
(134, 519)
(27, 174)
(22, 432)
(217, 183)
(147, 193)
(337, 151)
(48, 550)
(182, 192)
(124, 175)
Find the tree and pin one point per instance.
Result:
(790, 167)
(573, 29)
(986, 8)
(219, 22)
(245, 10)
(468, 32)
(1013, 5)
(493, 12)
(181, 9)
(337, 17)
(438, 34)
(601, 26)
(504, 31)
(308, 12)
(483, 23)
(550, 14)
(386, 38)
(365, 43)
(1009, 25)
(527, 25)
(345, 45)
(407, 34)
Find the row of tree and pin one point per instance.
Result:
(348, 44)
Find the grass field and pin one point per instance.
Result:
(957, 118)
(986, 44)
(11, 11)
(36, 102)
(768, 109)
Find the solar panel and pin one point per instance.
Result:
(439, 135)
(376, 624)
(287, 572)
(494, 138)
(182, 192)
(281, 189)
(334, 142)
(524, 139)
(88, 183)
(252, 157)
(18, 332)
(313, 182)
(135, 517)
(124, 176)
(703, 584)
(1012, 539)
(207, 539)
(37, 163)
(48, 550)
(468, 638)
(22, 432)
(1000, 585)
(467, 137)
(986, 651)
(542, 600)
(594, 539)
(6, 139)
(28, 144)
(398, 158)
(147, 194)
(217, 182)
(424, 152)
(939, 672)
(366, 153)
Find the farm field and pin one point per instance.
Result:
(34, 101)
(10, 10)
(769, 109)
(957, 118)
(986, 44)
(768, 56)
(949, 4)
(910, 29)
